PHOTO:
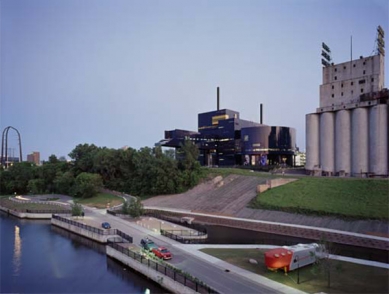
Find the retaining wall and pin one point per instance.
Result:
(27, 214)
(163, 280)
(83, 232)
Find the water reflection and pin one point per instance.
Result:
(17, 252)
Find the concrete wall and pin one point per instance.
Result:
(344, 82)
(83, 232)
(27, 215)
(158, 277)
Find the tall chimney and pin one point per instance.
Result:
(218, 98)
(260, 114)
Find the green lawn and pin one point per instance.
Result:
(351, 198)
(350, 278)
(101, 200)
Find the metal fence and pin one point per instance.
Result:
(172, 273)
(93, 229)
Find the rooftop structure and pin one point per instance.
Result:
(348, 133)
(224, 139)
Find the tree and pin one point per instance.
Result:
(83, 156)
(188, 164)
(19, 175)
(324, 264)
(135, 208)
(87, 185)
(36, 186)
(76, 209)
(64, 183)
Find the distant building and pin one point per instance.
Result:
(348, 133)
(224, 139)
(34, 157)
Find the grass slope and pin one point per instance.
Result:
(350, 278)
(353, 198)
(101, 200)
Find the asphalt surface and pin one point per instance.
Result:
(186, 260)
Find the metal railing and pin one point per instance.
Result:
(48, 211)
(93, 229)
(183, 236)
(173, 273)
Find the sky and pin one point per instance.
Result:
(119, 73)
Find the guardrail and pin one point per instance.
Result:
(187, 281)
(183, 236)
(93, 229)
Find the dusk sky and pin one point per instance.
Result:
(116, 73)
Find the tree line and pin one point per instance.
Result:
(143, 172)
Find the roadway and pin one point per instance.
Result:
(234, 281)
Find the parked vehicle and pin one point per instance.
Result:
(106, 225)
(162, 252)
(290, 258)
(147, 244)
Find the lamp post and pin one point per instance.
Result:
(298, 269)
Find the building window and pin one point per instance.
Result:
(246, 138)
(332, 95)
(362, 90)
(341, 94)
(332, 87)
(364, 71)
(352, 92)
(361, 81)
(344, 67)
(352, 83)
(336, 78)
(372, 79)
(342, 85)
(336, 69)
(354, 65)
(364, 63)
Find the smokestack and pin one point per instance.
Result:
(260, 113)
(218, 99)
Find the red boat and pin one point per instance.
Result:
(290, 258)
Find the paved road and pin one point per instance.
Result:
(214, 276)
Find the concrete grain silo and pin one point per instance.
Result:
(349, 134)
(360, 141)
(343, 143)
(378, 139)
(327, 143)
(312, 140)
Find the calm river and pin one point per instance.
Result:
(36, 257)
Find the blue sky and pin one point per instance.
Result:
(116, 73)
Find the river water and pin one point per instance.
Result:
(36, 257)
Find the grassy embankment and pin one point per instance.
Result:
(13, 205)
(350, 278)
(102, 200)
(99, 201)
(342, 197)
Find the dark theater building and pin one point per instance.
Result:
(224, 139)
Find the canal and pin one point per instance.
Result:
(36, 257)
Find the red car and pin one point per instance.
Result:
(162, 252)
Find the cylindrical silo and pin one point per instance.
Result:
(359, 141)
(312, 141)
(378, 139)
(343, 143)
(327, 142)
